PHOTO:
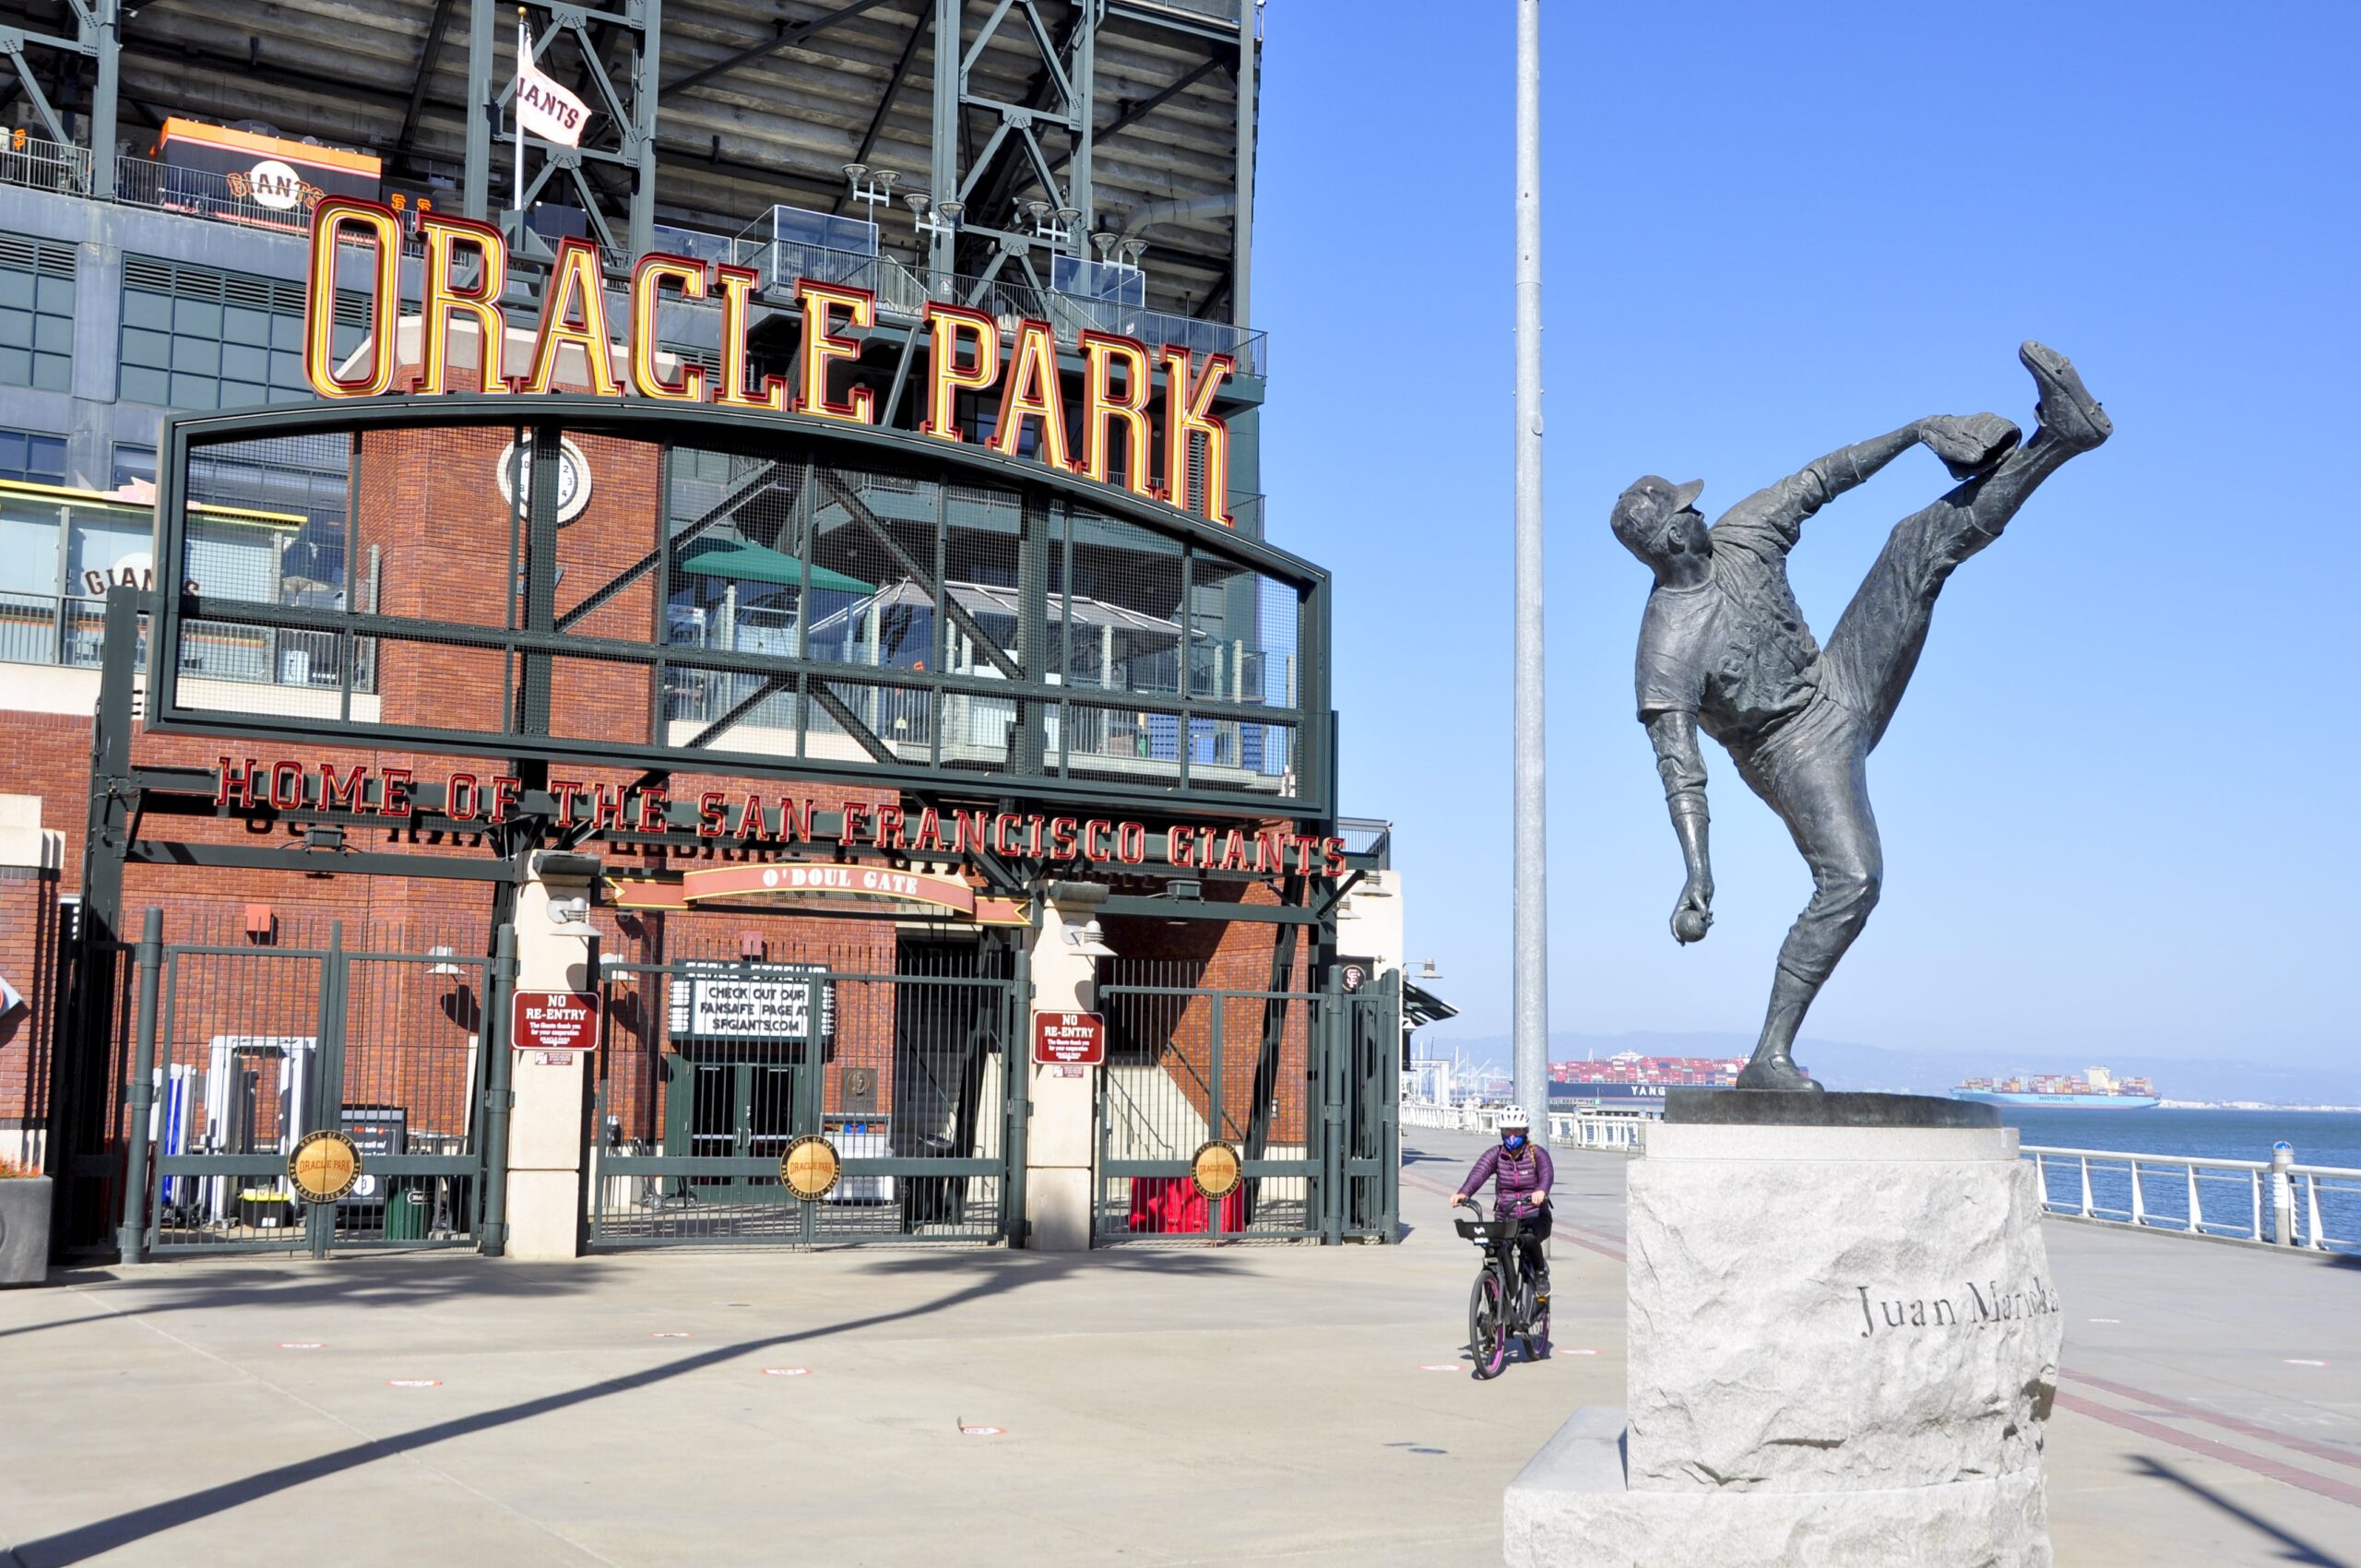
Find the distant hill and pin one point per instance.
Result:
(1841, 1065)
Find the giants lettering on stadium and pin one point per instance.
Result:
(965, 353)
(751, 816)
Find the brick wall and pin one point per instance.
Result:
(1225, 955)
(28, 956)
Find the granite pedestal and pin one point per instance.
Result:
(1842, 1346)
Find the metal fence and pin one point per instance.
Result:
(2317, 1207)
(715, 1064)
(39, 165)
(1568, 1129)
(1585, 1130)
(902, 291)
(1297, 1083)
(249, 1038)
(47, 628)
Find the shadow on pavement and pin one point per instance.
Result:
(1003, 1272)
(2298, 1549)
(392, 1281)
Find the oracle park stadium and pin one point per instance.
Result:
(726, 684)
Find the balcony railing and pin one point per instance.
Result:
(1371, 836)
(198, 192)
(69, 632)
(44, 628)
(43, 165)
(902, 291)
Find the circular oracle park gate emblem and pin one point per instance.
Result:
(810, 1168)
(324, 1167)
(1216, 1169)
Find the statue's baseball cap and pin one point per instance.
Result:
(1642, 509)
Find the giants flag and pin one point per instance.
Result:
(543, 107)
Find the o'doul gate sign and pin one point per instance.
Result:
(1069, 1040)
(555, 1020)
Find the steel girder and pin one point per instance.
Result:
(98, 28)
(626, 141)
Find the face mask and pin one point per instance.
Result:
(1513, 1140)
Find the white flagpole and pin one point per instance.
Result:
(1529, 901)
(516, 112)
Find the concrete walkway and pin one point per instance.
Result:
(1155, 1405)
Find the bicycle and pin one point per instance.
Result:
(1501, 1305)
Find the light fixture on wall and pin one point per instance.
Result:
(1085, 937)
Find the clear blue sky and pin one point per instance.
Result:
(2118, 804)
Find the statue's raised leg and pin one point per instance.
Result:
(1874, 649)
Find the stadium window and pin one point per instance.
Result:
(194, 337)
(133, 462)
(36, 315)
(33, 459)
(29, 528)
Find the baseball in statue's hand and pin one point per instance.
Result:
(1689, 925)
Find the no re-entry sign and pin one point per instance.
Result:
(1065, 1040)
(555, 1020)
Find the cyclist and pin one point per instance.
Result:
(1521, 1174)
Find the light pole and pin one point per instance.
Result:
(1531, 919)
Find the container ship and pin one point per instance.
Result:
(1629, 1081)
(2094, 1089)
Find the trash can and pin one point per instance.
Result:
(407, 1209)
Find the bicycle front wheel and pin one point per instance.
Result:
(1488, 1334)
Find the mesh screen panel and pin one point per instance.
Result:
(268, 521)
(982, 536)
(766, 602)
(1124, 609)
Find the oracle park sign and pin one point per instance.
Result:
(766, 641)
(1123, 426)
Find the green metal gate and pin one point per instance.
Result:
(893, 1048)
(1367, 1142)
(1294, 1090)
(244, 1046)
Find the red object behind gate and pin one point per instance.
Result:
(1171, 1205)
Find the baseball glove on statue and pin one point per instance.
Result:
(1969, 444)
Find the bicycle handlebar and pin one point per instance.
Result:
(1485, 1233)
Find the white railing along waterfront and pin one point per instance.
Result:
(1569, 1129)
(2317, 1207)
(1585, 1129)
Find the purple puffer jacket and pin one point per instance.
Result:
(1519, 1176)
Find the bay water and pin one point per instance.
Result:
(2226, 1200)
(2321, 1138)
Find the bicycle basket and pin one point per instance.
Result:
(1486, 1231)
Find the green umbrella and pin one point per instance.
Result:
(749, 561)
